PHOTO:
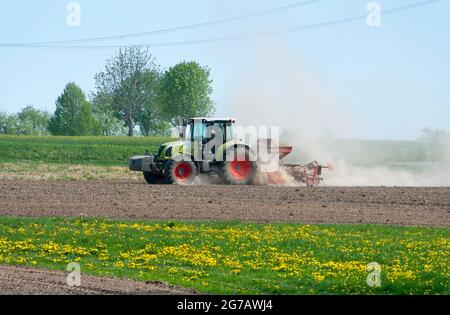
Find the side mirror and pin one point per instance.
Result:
(181, 135)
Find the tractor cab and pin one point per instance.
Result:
(207, 129)
(203, 137)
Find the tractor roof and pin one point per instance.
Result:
(212, 119)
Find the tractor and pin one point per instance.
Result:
(209, 146)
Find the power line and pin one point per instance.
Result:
(185, 27)
(232, 38)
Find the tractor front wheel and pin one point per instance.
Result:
(180, 172)
(152, 178)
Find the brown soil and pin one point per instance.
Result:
(24, 280)
(381, 205)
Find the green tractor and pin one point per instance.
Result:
(175, 162)
(209, 146)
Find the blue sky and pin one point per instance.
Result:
(393, 80)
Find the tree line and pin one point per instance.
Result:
(131, 94)
(436, 143)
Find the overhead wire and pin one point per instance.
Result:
(184, 27)
(226, 38)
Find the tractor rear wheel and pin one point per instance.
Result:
(238, 172)
(180, 172)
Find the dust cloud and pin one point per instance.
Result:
(279, 89)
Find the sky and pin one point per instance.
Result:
(392, 80)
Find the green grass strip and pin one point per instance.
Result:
(76, 150)
(237, 258)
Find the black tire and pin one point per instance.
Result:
(233, 176)
(152, 178)
(180, 172)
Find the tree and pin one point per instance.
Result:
(73, 115)
(9, 124)
(122, 81)
(33, 121)
(107, 123)
(3, 123)
(29, 121)
(186, 92)
(149, 118)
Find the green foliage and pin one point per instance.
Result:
(9, 124)
(186, 92)
(149, 118)
(79, 150)
(237, 258)
(131, 94)
(73, 115)
(105, 119)
(3, 126)
(29, 121)
(132, 89)
(33, 121)
(124, 83)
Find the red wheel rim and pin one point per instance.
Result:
(182, 171)
(240, 169)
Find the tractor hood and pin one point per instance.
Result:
(168, 149)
